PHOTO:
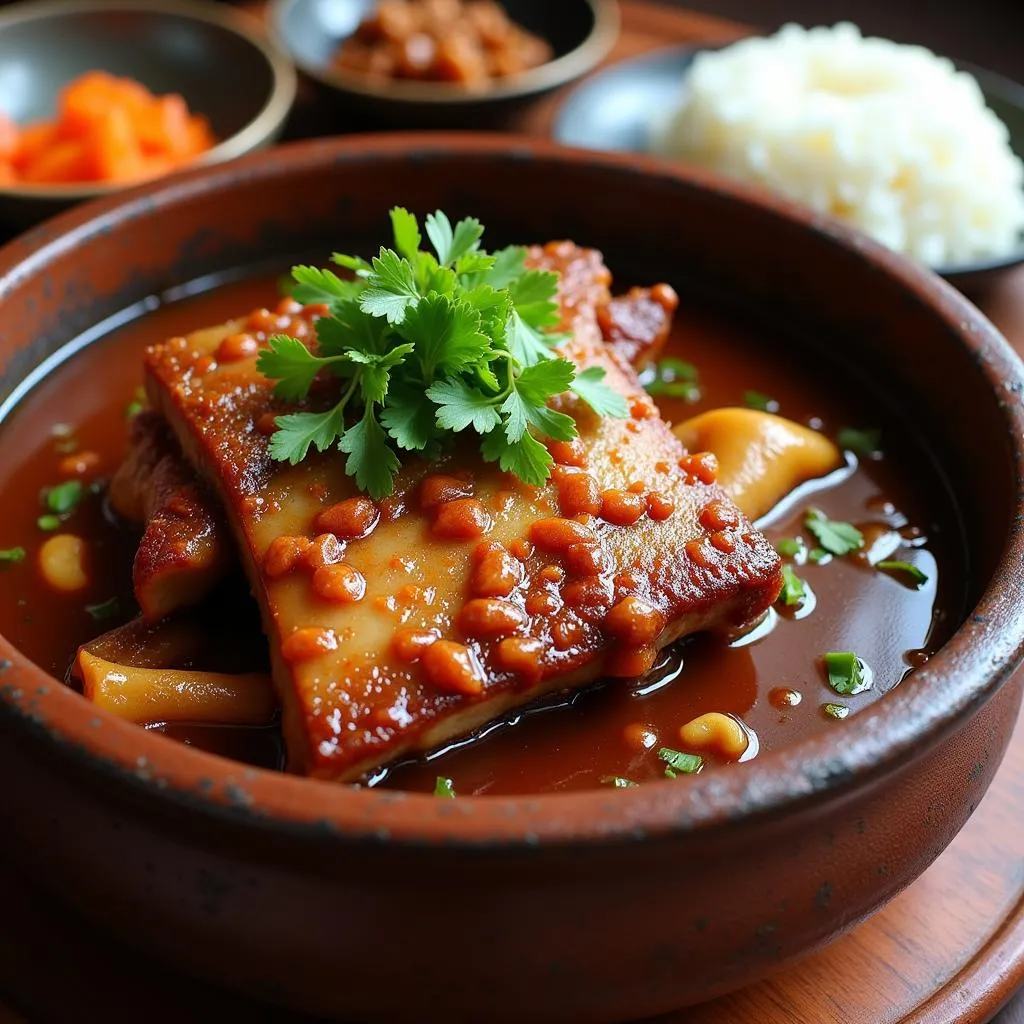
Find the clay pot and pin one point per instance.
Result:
(593, 906)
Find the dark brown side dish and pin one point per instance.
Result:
(465, 42)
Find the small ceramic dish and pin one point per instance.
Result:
(619, 109)
(209, 54)
(581, 33)
(313, 895)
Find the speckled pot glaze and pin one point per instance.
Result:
(596, 906)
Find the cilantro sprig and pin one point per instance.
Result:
(427, 345)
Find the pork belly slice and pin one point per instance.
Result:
(395, 627)
(185, 550)
(182, 557)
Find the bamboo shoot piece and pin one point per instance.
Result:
(149, 695)
(761, 457)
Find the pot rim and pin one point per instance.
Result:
(968, 670)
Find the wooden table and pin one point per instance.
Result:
(949, 949)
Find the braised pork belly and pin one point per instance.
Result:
(397, 625)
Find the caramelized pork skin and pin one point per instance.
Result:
(185, 551)
(397, 625)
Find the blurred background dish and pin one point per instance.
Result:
(625, 106)
(579, 33)
(210, 55)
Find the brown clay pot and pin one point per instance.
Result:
(596, 906)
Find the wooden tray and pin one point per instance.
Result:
(949, 949)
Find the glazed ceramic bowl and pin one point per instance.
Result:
(581, 33)
(211, 55)
(593, 906)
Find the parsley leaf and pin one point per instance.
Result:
(903, 569)
(837, 538)
(392, 287)
(863, 442)
(423, 347)
(589, 385)
(444, 787)
(299, 431)
(759, 401)
(65, 497)
(617, 782)
(370, 458)
(678, 763)
(847, 674)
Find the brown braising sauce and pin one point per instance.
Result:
(73, 425)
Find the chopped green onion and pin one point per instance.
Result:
(847, 674)
(444, 787)
(837, 538)
(674, 378)
(863, 442)
(837, 711)
(49, 523)
(789, 547)
(12, 555)
(819, 556)
(105, 610)
(133, 409)
(617, 782)
(794, 590)
(65, 497)
(760, 401)
(678, 763)
(905, 569)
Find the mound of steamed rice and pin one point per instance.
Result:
(888, 137)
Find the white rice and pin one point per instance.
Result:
(888, 137)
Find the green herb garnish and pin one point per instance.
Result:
(863, 442)
(49, 523)
(761, 402)
(835, 537)
(674, 378)
(444, 787)
(794, 590)
(907, 570)
(64, 498)
(791, 547)
(819, 556)
(428, 346)
(617, 782)
(678, 763)
(838, 711)
(847, 674)
(12, 555)
(105, 610)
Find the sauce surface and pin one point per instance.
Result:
(772, 679)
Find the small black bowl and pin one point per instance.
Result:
(618, 108)
(581, 33)
(211, 55)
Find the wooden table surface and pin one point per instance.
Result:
(949, 949)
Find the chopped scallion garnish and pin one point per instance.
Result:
(819, 556)
(617, 782)
(675, 378)
(847, 674)
(65, 497)
(678, 763)
(444, 787)
(760, 401)
(794, 590)
(904, 570)
(863, 442)
(12, 555)
(49, 523)
(839, 711)
(836, 537)
(789, 547)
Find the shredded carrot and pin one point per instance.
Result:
(107, 129)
